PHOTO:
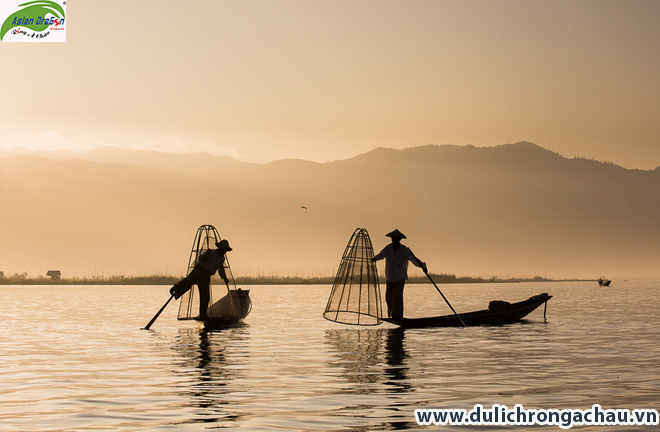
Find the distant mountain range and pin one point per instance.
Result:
(512, 210)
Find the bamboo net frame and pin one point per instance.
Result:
(355, 296)
(225, 301)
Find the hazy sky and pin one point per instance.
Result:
(321, 80)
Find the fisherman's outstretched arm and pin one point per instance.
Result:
(418, 262)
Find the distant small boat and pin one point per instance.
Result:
(498, 313)
(603, 281)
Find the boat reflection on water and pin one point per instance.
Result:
(358, 356)
(374, 361)
(205, 360)
(363, 361)
(397, 379)
(395, 359)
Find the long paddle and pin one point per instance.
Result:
(158, 313)
(449, 304)
(167, 302)
(170, 299)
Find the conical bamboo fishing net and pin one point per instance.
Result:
(225, 302)
(355, 296)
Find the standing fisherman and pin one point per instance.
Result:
(211, 261)
(396, 271)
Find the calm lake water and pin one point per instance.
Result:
(74, 358)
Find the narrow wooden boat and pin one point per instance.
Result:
(603, 281)
(228, 311)
(498, 313)
(229, 305)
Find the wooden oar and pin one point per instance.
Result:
(158, 313)
(170, 299)
(449, 304)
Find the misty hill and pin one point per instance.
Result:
(184, 163)
(512, 210)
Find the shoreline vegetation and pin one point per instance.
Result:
(253, 280)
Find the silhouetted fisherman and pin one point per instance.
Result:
(211, 261)
(396, 271)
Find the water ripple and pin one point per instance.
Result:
(85, 364)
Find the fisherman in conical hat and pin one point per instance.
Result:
(207, 264)
(396, 271)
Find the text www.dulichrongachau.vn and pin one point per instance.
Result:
(501, 415)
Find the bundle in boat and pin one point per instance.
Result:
(226, 304)
(355, 296)
(235, 303)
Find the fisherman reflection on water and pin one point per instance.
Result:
(211, 261)
(396, 257)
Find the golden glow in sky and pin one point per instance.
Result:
(264, 80)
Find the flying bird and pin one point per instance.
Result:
(303, 207)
